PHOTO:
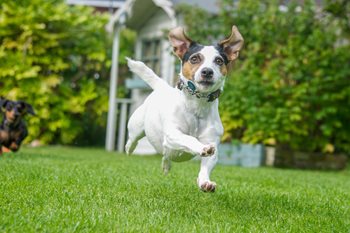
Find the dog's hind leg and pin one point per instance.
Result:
(136, 129)
(166, 165)
(132, 143)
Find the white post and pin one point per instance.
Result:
(122, 124)
(112, 105)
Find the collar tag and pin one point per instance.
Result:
(191, 89)
(191, 86)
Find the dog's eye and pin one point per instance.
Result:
(195, 59)
(219, 61)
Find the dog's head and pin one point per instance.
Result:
(206, 66)
(15, 110)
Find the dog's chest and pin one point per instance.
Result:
(194, 125)
(7, 136)
(194, 121)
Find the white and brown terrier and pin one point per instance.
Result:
(184, 122)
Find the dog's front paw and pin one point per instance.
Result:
(14, 146)
(208, 186)
(208, 151)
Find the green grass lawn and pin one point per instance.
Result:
(55, 189)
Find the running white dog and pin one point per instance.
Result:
(184, 122)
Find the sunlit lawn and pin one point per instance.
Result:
(56, 189)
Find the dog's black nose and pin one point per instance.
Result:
(207, 73)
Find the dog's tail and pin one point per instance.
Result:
(146, 74)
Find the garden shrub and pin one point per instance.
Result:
(291, 84)
(57, 57)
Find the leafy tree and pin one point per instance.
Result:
(292, 82)
(56, 57)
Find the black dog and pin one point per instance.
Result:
(13, 129)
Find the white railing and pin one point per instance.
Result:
(120, 122)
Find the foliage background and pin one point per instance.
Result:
(57, 57)
(291, 84)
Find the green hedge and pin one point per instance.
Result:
(57, 57)
(292, 82)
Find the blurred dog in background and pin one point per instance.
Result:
(13, 129)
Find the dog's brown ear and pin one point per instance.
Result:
(179, 41)
(233, 44)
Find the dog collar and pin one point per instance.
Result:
(191, 89)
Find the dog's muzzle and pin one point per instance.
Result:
(207, 73)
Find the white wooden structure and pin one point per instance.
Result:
(151, 19)
(106, 4)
